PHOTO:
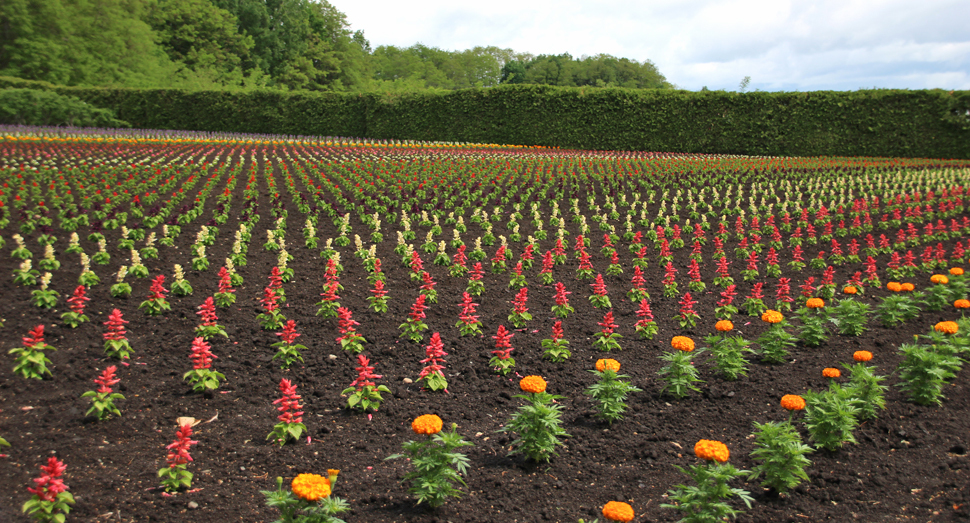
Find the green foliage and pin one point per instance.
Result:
(36, 107)
(924, 371)
(728, 353)
(437, 467)
(780, 454)
(850, 316)
(812, 331)
(895, 309)
(679, 375)
(609, 393)
(31, 362)
(867, 389)
(365, 398)
(538, 425)
(831, 416)
(102, 403)
(775, 342)
(204, 379)
(705, 502)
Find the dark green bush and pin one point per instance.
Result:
(37, 107)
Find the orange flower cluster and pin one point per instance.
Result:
(427, 424)
(831, 372)
(815, 303)
(607, 364)
(771, 316)
(947, 327)
(939, 278)
(533, 384)
(894, 286)
(907, 287)
(682, 343)
(618, 511)
(724, 326)
(962, 304)
(862, 355)
(956, 271)
(711, 450)
(850, 290)
(311, 487)
(792, 402)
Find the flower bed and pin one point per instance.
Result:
(183, 203)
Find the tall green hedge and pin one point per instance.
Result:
(928, 123)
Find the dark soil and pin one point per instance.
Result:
(910, 464)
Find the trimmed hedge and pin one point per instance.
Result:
(928, 123)
(40, 107)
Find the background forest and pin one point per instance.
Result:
(275, 44)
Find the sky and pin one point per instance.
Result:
(781, 45)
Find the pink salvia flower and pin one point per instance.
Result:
(208, 312)
(179, 449)
(289, 404)
(435, 352)
(289, 334)
(116, 326)
(106, 380)
(49, 484)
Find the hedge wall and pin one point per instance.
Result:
(929, 123)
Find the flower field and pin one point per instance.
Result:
(189, 316)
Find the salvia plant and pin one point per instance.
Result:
(102, 399)
(31, 362)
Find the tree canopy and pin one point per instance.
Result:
(281, 44)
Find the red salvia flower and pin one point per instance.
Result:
(528, 253)
(687, 305)
(669, 274)
(580, 243)
(694, 271)
(289, 404)
(561, 294)
(499, 255)
(344, 319)
(697, 249)
(519, 303)
(49, 484)
(208, 312)
(585, 264)
(417, 310)
(772, 257)
(615, 258)
(78, 300)
(157, 290)
(808, 288)
(503, 345)
(722, 267)
(853, 247)
(559, 250)
(836, 248)
(36, 336)
(557, 331)
(225, 281)
(416, 264)
(756, 292)
(289, 334)
(607, 323)
(638, 279)
(727, 296)
(179, 449)
(275, 279)
(476, 272)
(783, 290)
(106, 380)
(201, 355)
(547, 263)
(661, 233)
(607, 241)
(665, 249)
(828, 276)
(467, 314)
(599, 286)
(909, 260)
(428, 283)
(269, 300)
(435, 352)
(365, 373)
(378, 290)
(330, 290)
(116, 327)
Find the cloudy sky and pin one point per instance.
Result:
(782, 45)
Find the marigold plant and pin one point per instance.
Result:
(537, 424)
(707, 501)
(437, 465)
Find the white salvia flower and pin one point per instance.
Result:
(269, 235)
(503, 241)
(19, 239)
(122, 272)
(48, 252)
(429, 237)
(400, 238)
(358, 244)
(328, 243)
(281, 260)
(179, 275)
(26, 265)
(102, 244)
(230, 268)
(85, 263)
(372, 252)
(75, 239)
(456, 234)
(281, 242)
(124, 232)
(441, 247)
(200, 251)
(136, 258)
(435, 219)
(461, 220)
(236, 248)
(238, 236)
(45, 280)
(424, 216)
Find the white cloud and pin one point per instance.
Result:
(781, 44)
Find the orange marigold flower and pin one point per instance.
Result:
(831, 373)
(907, 287)
(792, 402)
(712, 450)
(815, 303)
(427, 424)
(724, 325)
(862, 355)
(771, 316)
(607, 364)
(939, 278)
(533, 384)
(682, 343)
(849, 289)
(962, 304)
(894, 286)
(947, 327)
(956, 271)
(618, 511)
(311, 487)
